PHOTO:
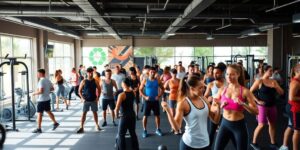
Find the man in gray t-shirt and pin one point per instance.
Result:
(43, 102)
(118, 77)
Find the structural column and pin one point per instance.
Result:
(42, 41)
(279, 46)
(77, 53)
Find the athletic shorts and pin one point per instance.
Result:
(87, 105)
(295, 120)
(266, 114)
(108, 102)
(151, 105)
(60, 91)
(43, 106)
(172, 103)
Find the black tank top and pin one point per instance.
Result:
(267, 94)
(89, 90)
(60, 82)
(127, 105)
(134, 83)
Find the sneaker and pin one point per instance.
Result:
(255, 146)
(283, 147)
(37, 130)
(114, 123)
(104, 124)
(158, 132)
(80, 130)
(98, 128)
(55, 126)
(273, 146)
(145, 134)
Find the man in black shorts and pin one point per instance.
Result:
(43, 102)
(153, 91)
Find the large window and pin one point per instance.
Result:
(171, 55)
(61, 59)
(15, 47)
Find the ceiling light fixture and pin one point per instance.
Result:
(209, 37)
(171, 34)
(296, 18)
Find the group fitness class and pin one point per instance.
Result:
(150, 74)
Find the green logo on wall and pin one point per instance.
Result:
(97, 56)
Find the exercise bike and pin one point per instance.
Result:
(20, 106)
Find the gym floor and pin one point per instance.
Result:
(65, 137)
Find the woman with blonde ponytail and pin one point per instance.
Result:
(194, 109)
(234, 99)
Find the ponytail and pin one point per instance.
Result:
(185, 84)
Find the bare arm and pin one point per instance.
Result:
(293, 92)
(279, 90)
(121, 98)
(114, 84)
(99, 90)
(142, 89)
(177, 120)
(80, 89)
(251, 106)
(162, 89)
(214, 111)
(208, 90)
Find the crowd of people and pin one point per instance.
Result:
(211, 102)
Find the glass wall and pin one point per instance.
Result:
(15, 47)
(61, 59)
(171, 55)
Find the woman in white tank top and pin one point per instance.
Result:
(195, 110)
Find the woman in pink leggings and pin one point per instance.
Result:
(266, 89)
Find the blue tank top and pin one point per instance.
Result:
(151, 89)
(208, 80)
(89, 90)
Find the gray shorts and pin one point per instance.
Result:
(87, 105)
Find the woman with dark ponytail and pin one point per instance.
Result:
(234, 99)
(128, 116)
(195, 110)
(266, 95)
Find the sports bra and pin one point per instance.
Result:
(231, 104)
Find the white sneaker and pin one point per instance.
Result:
(283, 148)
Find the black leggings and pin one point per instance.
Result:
(212, 131)
(183, 146)
(234, 130)
(74, 88)
(127, 123)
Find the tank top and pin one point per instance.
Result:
(173, 90)
(231, 104)
(134, 83)
(89, 90)
(127, 105)
(267, 94)
(295, 105)
(196, 133)
(60, 82)
(108, 90)
(214, 89)
(151, 89)
(208, 80)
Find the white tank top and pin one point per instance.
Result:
(196, 133)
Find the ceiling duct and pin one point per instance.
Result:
(88, 8)
(192, 10)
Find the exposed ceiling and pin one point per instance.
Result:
(158, 18)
